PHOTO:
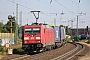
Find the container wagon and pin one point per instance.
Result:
(63, 35)
(57, 35)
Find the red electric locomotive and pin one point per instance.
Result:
(37, 37)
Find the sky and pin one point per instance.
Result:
(50, 10)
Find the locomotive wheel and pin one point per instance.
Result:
(29, 53)
(49, 48)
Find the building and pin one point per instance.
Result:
(82, 32)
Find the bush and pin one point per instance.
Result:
(76, 39)
(89, 41)
(18, 51)
(2, 49)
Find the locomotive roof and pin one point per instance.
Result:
(38, 24)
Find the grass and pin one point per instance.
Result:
(16, 46)
(88, 41)
(85, 41)
(4, 53)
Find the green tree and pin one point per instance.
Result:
(7, 25)
(62, 26)
(6, 28)
(68, 33)
(3, 28)
(67, 30)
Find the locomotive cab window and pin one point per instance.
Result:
(32, 30)
(28, 30)
(36, 30)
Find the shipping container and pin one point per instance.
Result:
(62, 35)
(56, 33)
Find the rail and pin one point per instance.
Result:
(70, 52)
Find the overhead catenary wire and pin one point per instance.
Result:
(43, 12)
(30, 8)
(74, 2)
(27, 7)
(46, 14)
(49, 6)
(20, 4)
(50, 10)
(65, 7)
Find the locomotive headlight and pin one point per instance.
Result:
(37, 37)
(38, 41)
(26, 38)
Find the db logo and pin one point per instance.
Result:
(32, 37)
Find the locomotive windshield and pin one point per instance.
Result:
(32, 30)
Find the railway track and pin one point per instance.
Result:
(66, 52)
(69, 55)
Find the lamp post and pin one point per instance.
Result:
(77, 28)
(77, 23)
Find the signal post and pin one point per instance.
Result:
(10, 48)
